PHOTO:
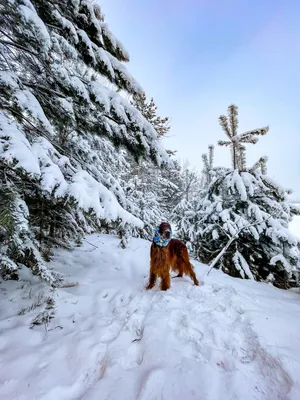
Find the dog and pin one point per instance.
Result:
(166, 253)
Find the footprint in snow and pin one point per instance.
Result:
(134, 356)
(111, 332)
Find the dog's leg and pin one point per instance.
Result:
(192, 274)
(152, 280)
(177, 268)
(165, 282)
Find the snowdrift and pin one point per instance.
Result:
(111, 339)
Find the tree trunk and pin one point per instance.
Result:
(234, 155)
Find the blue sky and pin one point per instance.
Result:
(195, 57)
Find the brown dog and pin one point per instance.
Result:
(174, 256)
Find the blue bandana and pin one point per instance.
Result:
(161, 242)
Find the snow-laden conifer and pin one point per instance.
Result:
(64, 122)
(251, 212)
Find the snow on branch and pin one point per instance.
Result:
(38, 30)
(51, 169)
(248, 137)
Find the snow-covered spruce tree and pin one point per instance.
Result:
(207, 171)
(18, 244)
(149, 111)
(185, 214)
(172, 188)
(246, 209)
(61, 128)
(141, 184)
(153, 193)
(150, 187)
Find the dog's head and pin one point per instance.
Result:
(165, 230)
(163, 234)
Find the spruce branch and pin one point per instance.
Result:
(223, 121)
(17, 46)
(224, 143)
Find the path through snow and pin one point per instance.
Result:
(112, 340)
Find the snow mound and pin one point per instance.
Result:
(111, 339)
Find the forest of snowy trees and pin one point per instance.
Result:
(82, 150)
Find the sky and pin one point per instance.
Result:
(196, 57)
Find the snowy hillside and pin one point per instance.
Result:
(111, 339)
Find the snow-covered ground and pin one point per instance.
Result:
(111, 339)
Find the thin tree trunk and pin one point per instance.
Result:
(234, 155)
(220, 255)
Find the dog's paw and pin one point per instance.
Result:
(148, 287)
